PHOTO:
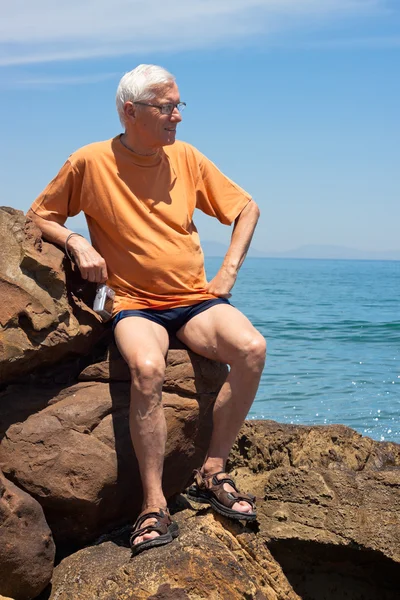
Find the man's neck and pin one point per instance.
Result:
(130, 146)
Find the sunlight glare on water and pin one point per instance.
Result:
(333, 331)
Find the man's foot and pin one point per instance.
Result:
(220, 491)
(153, 527)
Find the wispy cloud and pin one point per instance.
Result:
(44, 30)
(355, 42)
(50, 81)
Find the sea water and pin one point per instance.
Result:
(333, 333)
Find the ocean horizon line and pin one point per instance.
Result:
(214, 249)
(322, 258)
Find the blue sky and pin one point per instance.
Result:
(296, 100)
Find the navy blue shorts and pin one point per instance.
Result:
(172, 318)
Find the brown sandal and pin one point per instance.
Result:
(167, 529)
(209, 489)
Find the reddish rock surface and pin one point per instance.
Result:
(329, 507)
(27, 549)
(328, 529)
(207, 562)
(75, 456)
(40, 322)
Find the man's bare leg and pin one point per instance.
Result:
(144, 344)
(223, 333)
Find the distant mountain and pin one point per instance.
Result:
(212, 248)
(338, 252)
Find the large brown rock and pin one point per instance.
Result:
(328, 528)
(40, 322)
(207, 562)
(27, 549)
(75, 456)
(329, 507)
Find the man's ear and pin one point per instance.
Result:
(129, 111)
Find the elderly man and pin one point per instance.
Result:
(138, 192)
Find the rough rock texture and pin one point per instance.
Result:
(40, 322)
(75, 456)
(207, 562)
(328, 529)
(329, 507)
(27, 549)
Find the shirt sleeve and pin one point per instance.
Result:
(217, 195)
(62, 197)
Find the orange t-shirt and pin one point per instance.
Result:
(139, 211)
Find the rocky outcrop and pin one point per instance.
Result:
(207, 561)
(75, 456)
(328, 528)
(329, 506)
(41, 321)
(64, 403)
(27, 548)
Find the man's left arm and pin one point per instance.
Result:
(243, 230)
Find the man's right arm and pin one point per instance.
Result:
(92, 266)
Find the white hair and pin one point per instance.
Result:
(140, 85)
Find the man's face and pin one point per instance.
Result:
(151, 128)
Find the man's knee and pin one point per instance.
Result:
(253, 351)
(147, 371)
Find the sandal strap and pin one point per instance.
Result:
(156, 509)
(212, 485)
(201, 479)
(237, 493)
(163, 520)
(210, 475)
(158, 527)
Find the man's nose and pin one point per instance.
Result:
(176, 115)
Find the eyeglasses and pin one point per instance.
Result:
(165, 109)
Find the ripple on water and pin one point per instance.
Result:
(333, 335)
